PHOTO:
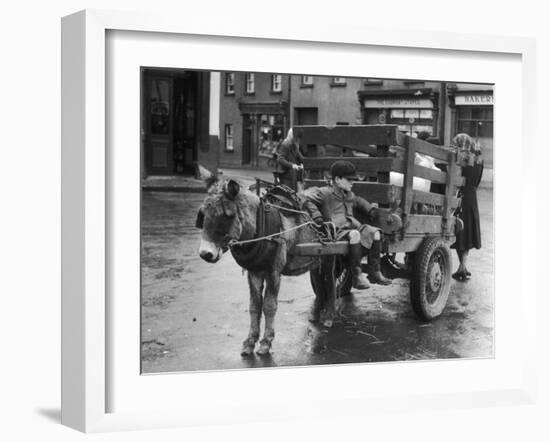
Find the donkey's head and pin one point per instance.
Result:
(220, 218)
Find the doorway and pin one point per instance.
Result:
(169, 122)
(307, 116)
(248, 139)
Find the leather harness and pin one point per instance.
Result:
(260, 255)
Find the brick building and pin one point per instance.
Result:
(254, 117)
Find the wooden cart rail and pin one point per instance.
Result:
(388, 141)
(372, 166)
(361, 136)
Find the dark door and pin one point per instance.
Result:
(158, 124)
(307, 116)
(185, 122)
(248, 131)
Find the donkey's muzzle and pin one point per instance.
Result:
(209, 256)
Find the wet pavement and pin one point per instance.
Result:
(195, 314)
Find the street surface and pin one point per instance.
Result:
(195, 314)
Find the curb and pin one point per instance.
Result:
(181, 189)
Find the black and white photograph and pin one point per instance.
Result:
(271, 221)
(299, 220)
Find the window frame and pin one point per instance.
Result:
(338, 81)
(304, 84)
(249, 79)
(273, 83)
(228, 134)
(459, 122)
(373, 82)
(229, 75)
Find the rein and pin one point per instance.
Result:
(234, 242)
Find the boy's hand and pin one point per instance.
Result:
(318, 221)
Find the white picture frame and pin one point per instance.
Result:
(87, 205)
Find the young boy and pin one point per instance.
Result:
(336, 204)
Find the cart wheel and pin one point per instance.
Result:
(431, 278)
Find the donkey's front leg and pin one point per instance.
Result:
(273, 283)
(256, 286)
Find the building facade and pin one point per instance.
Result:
(177, 110)
(329, 101)
(254, 117)
(234, 119)
(471, 111)
(439, 108)
(414, 106)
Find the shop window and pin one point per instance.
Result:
(426, 114)
(271, 134)
(276, 83)
(475, 121)
(408, 121)
(229, 138)
(397, 113)
(412, 113)
(307, 81)
(230, 83)
(249, 83)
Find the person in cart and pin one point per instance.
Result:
(336, 204)
(289, 162)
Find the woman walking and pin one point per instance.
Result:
(471, 162)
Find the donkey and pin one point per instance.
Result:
(228, 216)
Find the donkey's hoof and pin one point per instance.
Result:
(264, 349)
(248, 348)
(247, 351)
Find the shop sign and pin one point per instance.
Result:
(474, 100)
(400, 103)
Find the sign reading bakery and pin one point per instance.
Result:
(474, 100)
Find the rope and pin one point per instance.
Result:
(289, 210)
(248, 241)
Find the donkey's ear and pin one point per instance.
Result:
(232, 189)
(210, 181)
(199, 223)
(208, 177)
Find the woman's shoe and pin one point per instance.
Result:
(460, 276)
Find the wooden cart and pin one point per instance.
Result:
(428, 223)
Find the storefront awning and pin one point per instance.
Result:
(277, 107)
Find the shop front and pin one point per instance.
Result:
(412, 111)
(264, 127)
(175, 122)
(472, 113)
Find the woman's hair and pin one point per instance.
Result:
(468, 150)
